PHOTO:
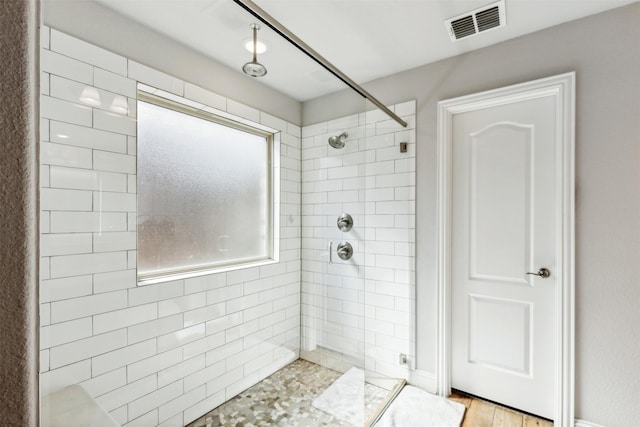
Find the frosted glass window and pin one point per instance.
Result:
(204, 193)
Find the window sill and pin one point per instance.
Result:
(172, 277)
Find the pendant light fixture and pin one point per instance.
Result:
(254, 68)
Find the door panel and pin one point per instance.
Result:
(503, 226)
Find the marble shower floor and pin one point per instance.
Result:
(284, 399)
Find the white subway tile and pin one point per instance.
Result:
(405, 165)
(128, 393)
(224, 293)
(237, 304)
(123, 318)
(181, 370)
(175, 407)
(132, 221)
(204, 283)
(272, 121)
(122, 357)
(65, 155)
(146, 420)
(405, 193)
(154, 399)
(132, 259)
(45, 314)
(155, 78)
(87, 306)
(75, 265)
(181, 337)
(114, 82)
(44, 83)
(81, 136)
(223, 323)
(132, 184)
(84, 349)
(86, 52)
(119, 415)
(153, 364)
(77, 222)
(393, 153)
(152, 293)
(105, 201)
(80, 93)
(102, 384)
(203, 345)
(113, 162)
(114, 281)
(313, 130)
(60, 65)
(114, 241)
(84, 179)
(257, 311)
(58, 379)
(241, 385)
(44, 361)
(62, 333)
(65, 288)
(242, 110)
(205, 375)
(155, 328)
(132, 145)
(114, 122)
(294, 131)
(44, 129)
(182, 304)
(204, 96)
(391, 288)
(261, 284)
(204, 314)
(64, 111)
(65, 244)
(395, 208)
(45, 36)
(54, 199)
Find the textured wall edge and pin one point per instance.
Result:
(19, 43)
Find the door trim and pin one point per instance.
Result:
(562, 88)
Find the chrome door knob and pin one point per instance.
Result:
(543, 272)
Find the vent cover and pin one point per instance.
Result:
(479, 20)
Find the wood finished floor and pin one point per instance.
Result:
(480, 413)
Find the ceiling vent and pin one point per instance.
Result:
(477, 21)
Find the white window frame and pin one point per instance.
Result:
(272, 137)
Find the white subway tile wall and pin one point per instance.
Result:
(156, 354)
(360, 311)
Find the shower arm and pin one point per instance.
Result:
(276, 26)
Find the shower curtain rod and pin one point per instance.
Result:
(276, 26)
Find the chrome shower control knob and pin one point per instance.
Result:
(345, 250)
(345, 222)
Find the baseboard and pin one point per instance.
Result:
(424, 380)
(583, 423)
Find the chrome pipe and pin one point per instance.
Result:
(276, 26)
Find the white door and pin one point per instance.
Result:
(503, 227)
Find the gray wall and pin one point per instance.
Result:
(604, 52)
(96, 24)
(19, 213)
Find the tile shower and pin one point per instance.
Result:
(166, 354)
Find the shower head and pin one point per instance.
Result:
(338, 141)
(254, 68)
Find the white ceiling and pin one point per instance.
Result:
(366, 39)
